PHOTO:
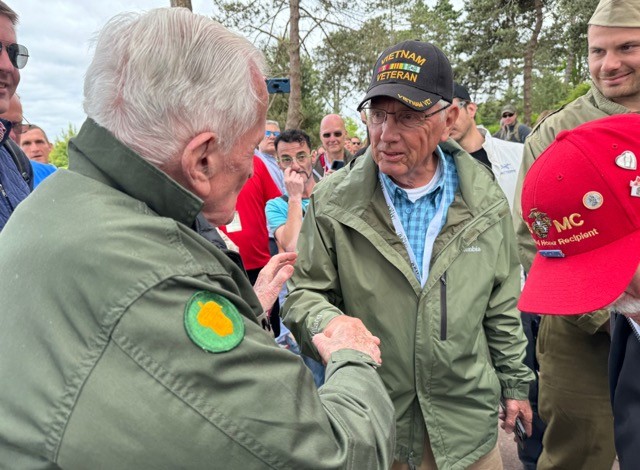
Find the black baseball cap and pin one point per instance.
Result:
(416, 73)
(461, 92)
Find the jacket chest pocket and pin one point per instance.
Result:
(443, 307)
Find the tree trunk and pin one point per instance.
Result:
(181, 3)
(294, 113)
(530, 51)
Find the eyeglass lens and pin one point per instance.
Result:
(326, 135)
(18, 54)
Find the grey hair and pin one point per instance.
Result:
(273, 123)
(160, 78)
(9, 13)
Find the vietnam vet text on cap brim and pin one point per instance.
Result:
(416, 73)
(617, 14)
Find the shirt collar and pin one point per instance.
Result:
(436, 183)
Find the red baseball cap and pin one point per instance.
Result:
(581, 202)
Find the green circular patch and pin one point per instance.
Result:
(212, 322)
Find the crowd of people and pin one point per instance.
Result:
(201, 288)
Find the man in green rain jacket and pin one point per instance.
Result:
(451, 337)
(127, 340)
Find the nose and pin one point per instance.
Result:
(610, 61)
(5, 62)
(389, 129)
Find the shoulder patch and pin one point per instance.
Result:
(212, 322)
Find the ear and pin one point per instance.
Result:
(198, 163)
(314, 157)
(472, 109)
(451, 117)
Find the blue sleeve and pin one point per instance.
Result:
(276, 211)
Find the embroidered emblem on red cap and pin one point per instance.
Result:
(635, 187)
(541, 223)
(551, 253)
(592, 200)
(627, 160)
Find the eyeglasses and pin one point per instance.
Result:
(288, 161)
(18, 54)
(506, 115)
(271, 133)
(406, 118)
(326, 135)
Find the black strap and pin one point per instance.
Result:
(21, 161)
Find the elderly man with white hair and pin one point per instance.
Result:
(127, 339)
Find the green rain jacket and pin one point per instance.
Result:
(449, 349)
(97, 269)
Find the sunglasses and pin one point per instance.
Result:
(355, 143)
(18, 54)
(505, 115)
(271, 133)
(326, 135)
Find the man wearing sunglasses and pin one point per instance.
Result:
(333, 135)
(510, 129)
(16, 174)
(415, 239)
(267, 153)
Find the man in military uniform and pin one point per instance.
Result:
(573, 351)
(127, 340)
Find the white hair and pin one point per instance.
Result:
(160, 78)
(273, 123)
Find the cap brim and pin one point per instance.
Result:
(407, 95)
(581, 283)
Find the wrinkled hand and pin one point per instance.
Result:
(294, 183)
(346, 332)
(515, 408)
(272, 277)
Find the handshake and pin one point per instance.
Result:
(346, 332)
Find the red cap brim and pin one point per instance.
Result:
(581, 283)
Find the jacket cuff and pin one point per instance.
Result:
(345, 357)
(521, 392)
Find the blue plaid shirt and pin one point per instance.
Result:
(416, 216)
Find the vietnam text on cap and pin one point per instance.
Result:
(416, 73)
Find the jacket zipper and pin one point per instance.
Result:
(443, 307)
(6, 197)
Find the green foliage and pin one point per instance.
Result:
(59, 156)
(577, 92)
(353, 129)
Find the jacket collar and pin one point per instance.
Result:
(606, 104)
(97, 154)
(474, 181)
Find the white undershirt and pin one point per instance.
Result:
(413, 194)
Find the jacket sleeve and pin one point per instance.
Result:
(314, 289)
(163, 402)
(502, 324)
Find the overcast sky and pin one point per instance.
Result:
(58, 35)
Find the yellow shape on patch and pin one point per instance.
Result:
(211, 316)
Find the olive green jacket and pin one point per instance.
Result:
(449, 349)
(97, 268)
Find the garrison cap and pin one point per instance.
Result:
(617, 14)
